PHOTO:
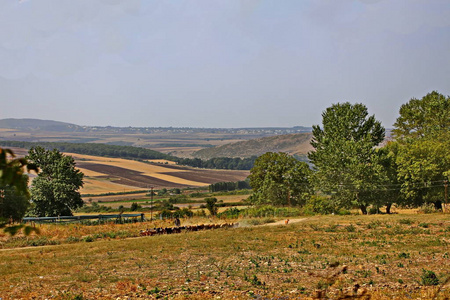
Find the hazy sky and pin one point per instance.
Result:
(228, 63)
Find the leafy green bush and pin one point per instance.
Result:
(270, 211)
(319, 205)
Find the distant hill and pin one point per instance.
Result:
(38, 125)
(294, 144)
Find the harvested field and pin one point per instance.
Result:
(119, 175)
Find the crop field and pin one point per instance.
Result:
(103, 174)
(401, 256)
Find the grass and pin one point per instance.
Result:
(379, 256)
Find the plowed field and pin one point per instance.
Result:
(104, 174)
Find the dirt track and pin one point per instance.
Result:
(282, 222)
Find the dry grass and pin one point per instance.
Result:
(371, 257)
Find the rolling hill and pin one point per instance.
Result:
(294, 144)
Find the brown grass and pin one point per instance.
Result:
(370, 257)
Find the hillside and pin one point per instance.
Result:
(37, 125)
(294, 144)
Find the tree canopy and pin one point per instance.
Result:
(344, 157)
(55, 191)
(279, 179)
(421, 118)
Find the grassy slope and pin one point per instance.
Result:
(297, 143)
(384, 254)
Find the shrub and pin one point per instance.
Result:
(319, 205)
(405, 221)
(427, 208)
(429, 278)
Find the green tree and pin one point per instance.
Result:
(14, 192)
(55, 191)
(211, 206)
(13, 203)
(344, 157)
(424, 117)
(423, 167)
(390, 183)
(280, 179)
(423, 133)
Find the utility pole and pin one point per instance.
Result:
(151, 204)
(2, 199)
(446, 194)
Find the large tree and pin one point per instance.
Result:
(344, 157)
(423, 118)
(280, 179)
(14, 192)
(55, 191)
(423, 133)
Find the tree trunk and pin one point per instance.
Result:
(388, 208)
(363, 209)
(438, 205)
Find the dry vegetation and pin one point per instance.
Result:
(371, 257)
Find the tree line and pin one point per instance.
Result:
(229, 186)
(352, 168)
(227, 163)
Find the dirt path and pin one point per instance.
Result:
(282, 222)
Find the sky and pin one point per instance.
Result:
(218, 64)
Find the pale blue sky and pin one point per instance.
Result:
(229, 63)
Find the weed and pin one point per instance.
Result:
(350, 228)
(405, 221)
(429, 278)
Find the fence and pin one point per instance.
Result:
(100, 218)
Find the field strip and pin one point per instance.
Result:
(95, 186)
(91, 173)
(124, 163)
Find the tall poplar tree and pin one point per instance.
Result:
(344, 157)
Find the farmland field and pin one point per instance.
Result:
(105, 174)
(402, 256)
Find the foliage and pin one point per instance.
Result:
(429, 278)
(344, 155)
(279, 179)
(230, 163)
(135, 206)
(13, 204)
(11, 171)
(424, 117)
(14, 192)
(229, 186)
(423, 132)
(270, 211)
(423, 165)
(320, 205)
(55, 190)
(211, 205)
